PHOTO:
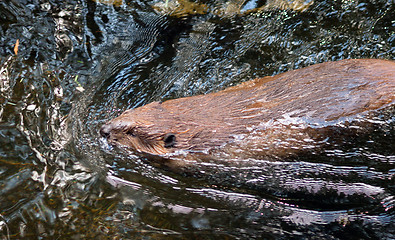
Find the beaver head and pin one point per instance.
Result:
(271, 116)
(148, 129)
(174, 127)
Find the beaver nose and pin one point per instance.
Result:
(105, 130)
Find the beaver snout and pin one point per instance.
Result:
(111, 130)
(105, 130)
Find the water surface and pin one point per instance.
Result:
(80, 64)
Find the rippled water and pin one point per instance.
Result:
(80, 64)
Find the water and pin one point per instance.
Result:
(80, 64)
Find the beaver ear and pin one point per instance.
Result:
(170, 140)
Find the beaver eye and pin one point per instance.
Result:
(169, 140)
(131, 132)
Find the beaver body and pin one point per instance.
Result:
(272, 117)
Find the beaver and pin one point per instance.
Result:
(271, 117)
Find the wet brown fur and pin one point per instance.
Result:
(257, 116)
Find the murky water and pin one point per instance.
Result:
(80, 64)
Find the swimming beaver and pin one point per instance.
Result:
(273, 117)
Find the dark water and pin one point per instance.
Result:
(81, 63)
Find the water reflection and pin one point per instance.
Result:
(58, 181)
